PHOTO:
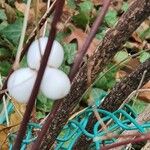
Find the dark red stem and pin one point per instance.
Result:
(30, 105)
(36, 144)
(81, 52)
(132, 141)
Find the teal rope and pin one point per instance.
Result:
(128, 123)
(121, 120)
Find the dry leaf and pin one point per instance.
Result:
(131, 65)
(145, 96)
(22, 8)
(10, 12)
(136, 37)
(80, 36)
(16, 117)
(3, 137)
(97, 2)
(120, 75)
(117, 5)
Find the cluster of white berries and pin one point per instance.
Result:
(55, 83)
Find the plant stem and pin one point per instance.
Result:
(81, 52)
(132, 141)
(19, 51)
(30, 105)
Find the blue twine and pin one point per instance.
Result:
(121, 120)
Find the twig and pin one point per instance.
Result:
(140, 84)
(45, 25)
(81, 52)
(19, 51)
(6, 112)
(30, 105)
(142, 118)
(97, 115)
(136, 140)
(134, 92)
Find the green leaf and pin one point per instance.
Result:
(4, 68)
(23, 62)
(71, 4)
(2, 15)
(125, 6)
(111, 18)
(111, 83)
(81, 19)
(102, 82)
(4, 53)
(86, 6)
(138, 106)
(145, 34)
(61, 35)
(106, 80)
(101, 33)
(144, 56)
(13, 31)
(40, 115)
(121, 56)
(97, 94)
(65, 68)
(43, 103)
(70, 52)
(3, 25)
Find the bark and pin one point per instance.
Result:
(113, 40)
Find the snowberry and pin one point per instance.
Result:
(37, 49)
(20, 84)
(55, 84)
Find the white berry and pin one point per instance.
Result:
(55, 84)
(20, 84)
(37, 49)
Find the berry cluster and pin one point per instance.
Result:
(55, 83)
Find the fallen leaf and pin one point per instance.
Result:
(97, 2)
(3, 137)
(136, 37)
(16, 117)
(117, 4)
(120, 75)
(80, 36)
(131, 65)
(22, 8)
(141, 30)
(10, 13)
(145, 96)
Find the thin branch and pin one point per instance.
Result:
(30, 105)
(45, 25)
(81, 52)
(132, 141)
(141, 119)
(19, 51)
